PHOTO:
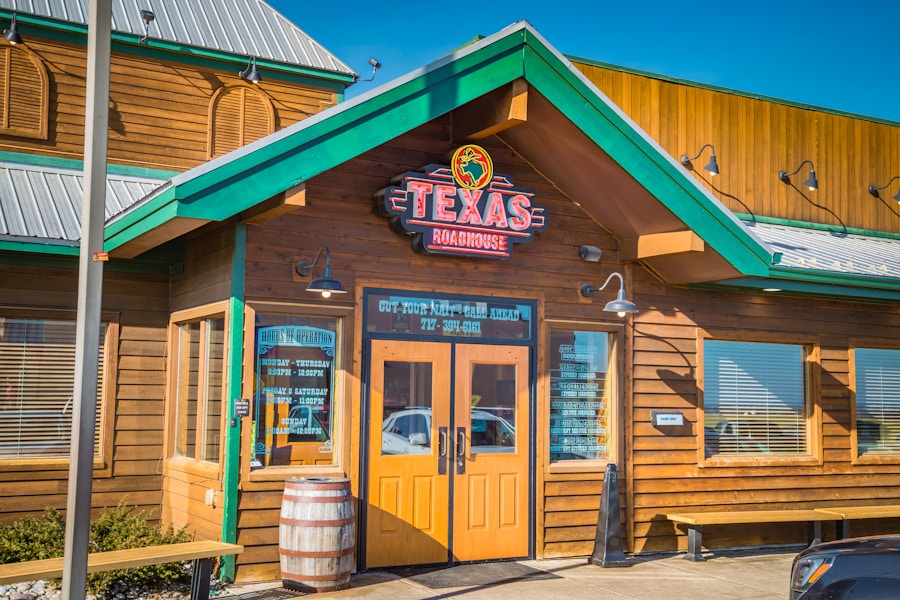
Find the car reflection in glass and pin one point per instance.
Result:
(409, 432)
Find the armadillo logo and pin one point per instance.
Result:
(464, 209)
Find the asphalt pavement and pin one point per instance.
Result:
(737, 575)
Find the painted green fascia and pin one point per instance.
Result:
(73, 164)
(129, 43)
(818, 226)
(67, 261)
(778, 272)
(147, 216)
(733, 92)
(644, 161)
(38, 247)
(850, 291)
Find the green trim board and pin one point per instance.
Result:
(74, 164)
(129, 43)
(260, 170)
(848, 291)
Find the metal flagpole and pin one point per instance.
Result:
(90, 288)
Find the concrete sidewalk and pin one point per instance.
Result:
(761, 575)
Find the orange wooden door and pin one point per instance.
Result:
(408, 489)
(491, 429)
(422, 474)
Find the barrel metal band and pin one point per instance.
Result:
(317, 486)
(317, 523)
(315, 499)
(316, 554)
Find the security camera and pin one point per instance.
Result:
(590, 253)
(375, 64)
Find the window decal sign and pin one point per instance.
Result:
(464, 209)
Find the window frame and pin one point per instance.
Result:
(812, 395)
(856, 458)
(195, 465)
(341, 399)
(243, 89)
(616, 378)
(41, 132)
(102, 467)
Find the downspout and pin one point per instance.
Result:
(231, 476)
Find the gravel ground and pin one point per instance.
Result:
(47, 590)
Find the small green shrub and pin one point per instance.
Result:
(118, 528)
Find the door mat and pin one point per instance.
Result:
(276, 593)
(484, 574)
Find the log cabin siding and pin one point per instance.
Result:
(666, 476)
(159, 110)
(755, 138)
(133, 424)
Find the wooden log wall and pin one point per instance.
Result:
(159, 110)
(134, 424)
(756, 138)
(664, 475)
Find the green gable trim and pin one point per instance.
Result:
(645, 162)
(818, 226)
(67, 261)
(78, 165)
(40, 247)
(328, 139)
(733, 92)
(129, 43)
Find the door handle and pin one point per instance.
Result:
(443, 442)
(460, 450)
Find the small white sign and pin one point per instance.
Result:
(668, 419)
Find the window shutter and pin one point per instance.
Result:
(754, 400)
(239, 115)
(877, 401)
(24, 94)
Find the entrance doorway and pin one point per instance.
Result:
(448, 453)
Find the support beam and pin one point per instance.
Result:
(660, 244)
(492, 113)
(283, 203)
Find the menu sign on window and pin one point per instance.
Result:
(578, 399)
(294, 375)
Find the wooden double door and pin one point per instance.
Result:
(448, 453)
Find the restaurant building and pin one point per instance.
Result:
(471, 289)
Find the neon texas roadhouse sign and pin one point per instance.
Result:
(463, 209)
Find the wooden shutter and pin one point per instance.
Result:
(239, 115)
(23, 94)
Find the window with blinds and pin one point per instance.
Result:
(37, 374)
(877, 401)
(754, 398)
(199, 389)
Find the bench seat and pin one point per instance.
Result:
(848, 513)
(696, 520)
(201, 552)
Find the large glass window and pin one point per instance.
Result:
(580, 395)
(754, 399)
(877, 401)
(294, 389)
(199, 372)
(37, 375)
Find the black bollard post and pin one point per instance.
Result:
(608, 545)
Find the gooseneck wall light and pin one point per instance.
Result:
(712, 168)
(326, 284)
(621, 305)
(250, 73)
(12, 34)
(811, 182)
(874, 190)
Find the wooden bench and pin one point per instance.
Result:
(696, 520)
(201, 553)
(848, 513)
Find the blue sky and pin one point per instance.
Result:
(838, 55)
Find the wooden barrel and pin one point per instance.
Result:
(317, 534)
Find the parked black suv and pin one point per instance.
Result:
(865, 568)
